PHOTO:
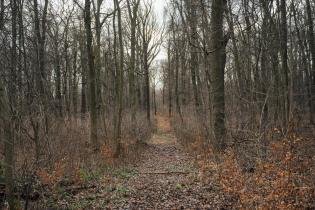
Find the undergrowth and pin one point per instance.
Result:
(64, 170)
(282, 179)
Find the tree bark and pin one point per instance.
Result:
(133, 11)
(147, 79)
(40, 46)
(8, 112)
(2, 8)
(311, 38)
(284, 59)
(194, 64)
(83, 58)
(91, 78)
(119, 84)
(170, 86)
(217, 62)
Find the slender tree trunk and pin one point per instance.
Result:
(83, 58)
(311, 38)
(58, 78)
(40, 70)
(133, 11)
(66, 73)
(2, 8)
(154, 99)
(147, 80)
(74, 80)
(98, 63)
(41, 39)
(6, 121)
(194, 64)
(264, 67)
(176, 57)
(183, 65)
(119, 77)
(163, 93)
(284, 59)
(178, 108)
(7, 115)
(170, 86)
(91, 78)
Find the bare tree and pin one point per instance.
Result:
(151, 40)
(8, 112)
(91, 78)
(311, 38)
(133, 16)
(119, 82)
(284, 58)
(217, 62)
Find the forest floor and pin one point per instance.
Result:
(165, 177)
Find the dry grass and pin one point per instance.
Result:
(163, 123)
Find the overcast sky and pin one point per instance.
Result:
(159, 8)
(159, 11)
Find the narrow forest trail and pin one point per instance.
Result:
(166, 178)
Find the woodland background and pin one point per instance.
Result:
(81, 85)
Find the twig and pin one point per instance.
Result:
(167, 172)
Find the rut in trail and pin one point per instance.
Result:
(167, 178)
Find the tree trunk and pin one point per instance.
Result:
(98, 63)
(284, 59)
(91, 78)
(66, 73)
(194, 64)
(7, 115)
(133, 11)
(58, 78)
(40, 46)
(6, 121)
(154, 100)
(83, 58)
(2, 7)
(74, 80)
(217, 62)
(147, 80)
(178, 108)
(170, 86)
(119, 82)
(311, 38)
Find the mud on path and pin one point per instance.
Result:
(165, 178)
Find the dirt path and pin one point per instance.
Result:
(165, 178)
